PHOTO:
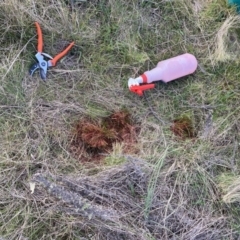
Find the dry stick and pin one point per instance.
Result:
(109, 188)
(88, 190)
(10, 106)
(81, 206)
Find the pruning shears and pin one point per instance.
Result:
(43, 64)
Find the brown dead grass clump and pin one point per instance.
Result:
(95, 136)
(183, 127)
(92, 140)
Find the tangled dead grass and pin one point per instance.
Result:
(114, 202)
(227, 42)
(230, 188)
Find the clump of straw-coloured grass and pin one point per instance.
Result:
(225, 42)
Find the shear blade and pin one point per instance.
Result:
(43, 74)
(34, 68)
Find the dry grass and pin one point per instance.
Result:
(170, 188)
(227, 41)
(230, 188)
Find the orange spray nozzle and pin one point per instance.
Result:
(138, 89)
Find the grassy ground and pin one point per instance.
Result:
(190, 186)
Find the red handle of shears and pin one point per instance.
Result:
(40, 38)
(60, 55)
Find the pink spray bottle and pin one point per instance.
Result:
(166, 71)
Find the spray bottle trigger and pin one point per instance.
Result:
(138, 89)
